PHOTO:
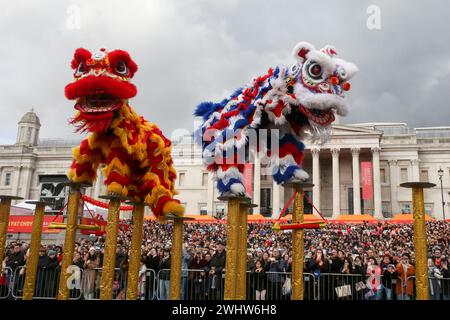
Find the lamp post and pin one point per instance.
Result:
(441, 174)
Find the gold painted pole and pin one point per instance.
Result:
(5, 208)
(232, 247)
(420, 238)
(109, 257)
(69, 240)
(241, 275)
(420, 245)
(32, 260)
(298, 245)
(298, 256)
(175, 260)
(135, 252)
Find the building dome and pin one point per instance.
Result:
(30, 117)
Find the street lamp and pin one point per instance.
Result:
(441, 174)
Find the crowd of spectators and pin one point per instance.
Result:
(379, 257)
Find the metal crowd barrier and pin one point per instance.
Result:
(338, 286)
(197, 284)
(6, 281)
(439, 288)
(91, 284)
(46, 285)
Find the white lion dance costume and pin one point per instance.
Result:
(298, 101)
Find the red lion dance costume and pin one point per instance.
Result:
(136, 154)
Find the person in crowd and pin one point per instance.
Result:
(91, 274)
(405, 270)
(259, 281)
(445, 281)
(164, 275)
(276, 280)
(151, 264)
(142, 279)
(373, 282)
(41, 274)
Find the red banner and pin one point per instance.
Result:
(93, 222)
(248, 178)
(24, 224)
(366, 180)
(102, 224)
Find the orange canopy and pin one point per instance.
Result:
(306, 217)
(408, 218)
(355, 218)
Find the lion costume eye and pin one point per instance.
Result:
(342, 73)
(315, 70)
(81, 69)
(121, 68)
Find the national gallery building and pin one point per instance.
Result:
(359, 171)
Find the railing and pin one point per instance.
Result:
(199, 284)
(6, 281)
(46, 285)
(439, 288)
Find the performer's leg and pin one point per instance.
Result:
(287, 163)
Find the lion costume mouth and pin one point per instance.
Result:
(98, 103)
(320, 117)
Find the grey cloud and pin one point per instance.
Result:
(194, 50)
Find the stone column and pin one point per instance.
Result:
(415, 170)
(275, 200)
(316, 177)
(257, 183)
(26, 181)
(393, 178)
(377, 208)
(15, 180)
(210, 195)
(336, 183)
(356, 182)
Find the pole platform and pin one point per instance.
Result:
(38, 202)
(298, 184)
(8, 197)
(423, 185)
(113, 196)
(77, 185)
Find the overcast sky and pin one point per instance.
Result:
(189, 51)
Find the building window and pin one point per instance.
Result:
(404, 174)
(220, 211)
(405, 208)
(181, 178)
(383, 175)
(385, 208)
(204, 179)
(429, 208)
(424, 176)
(8, 179)
(203, 209)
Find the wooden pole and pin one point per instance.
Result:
(35, 244)
(135, 252)
(298, 246)
(420, 238)
(109, 256)
(5, 208)
(69, 239)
